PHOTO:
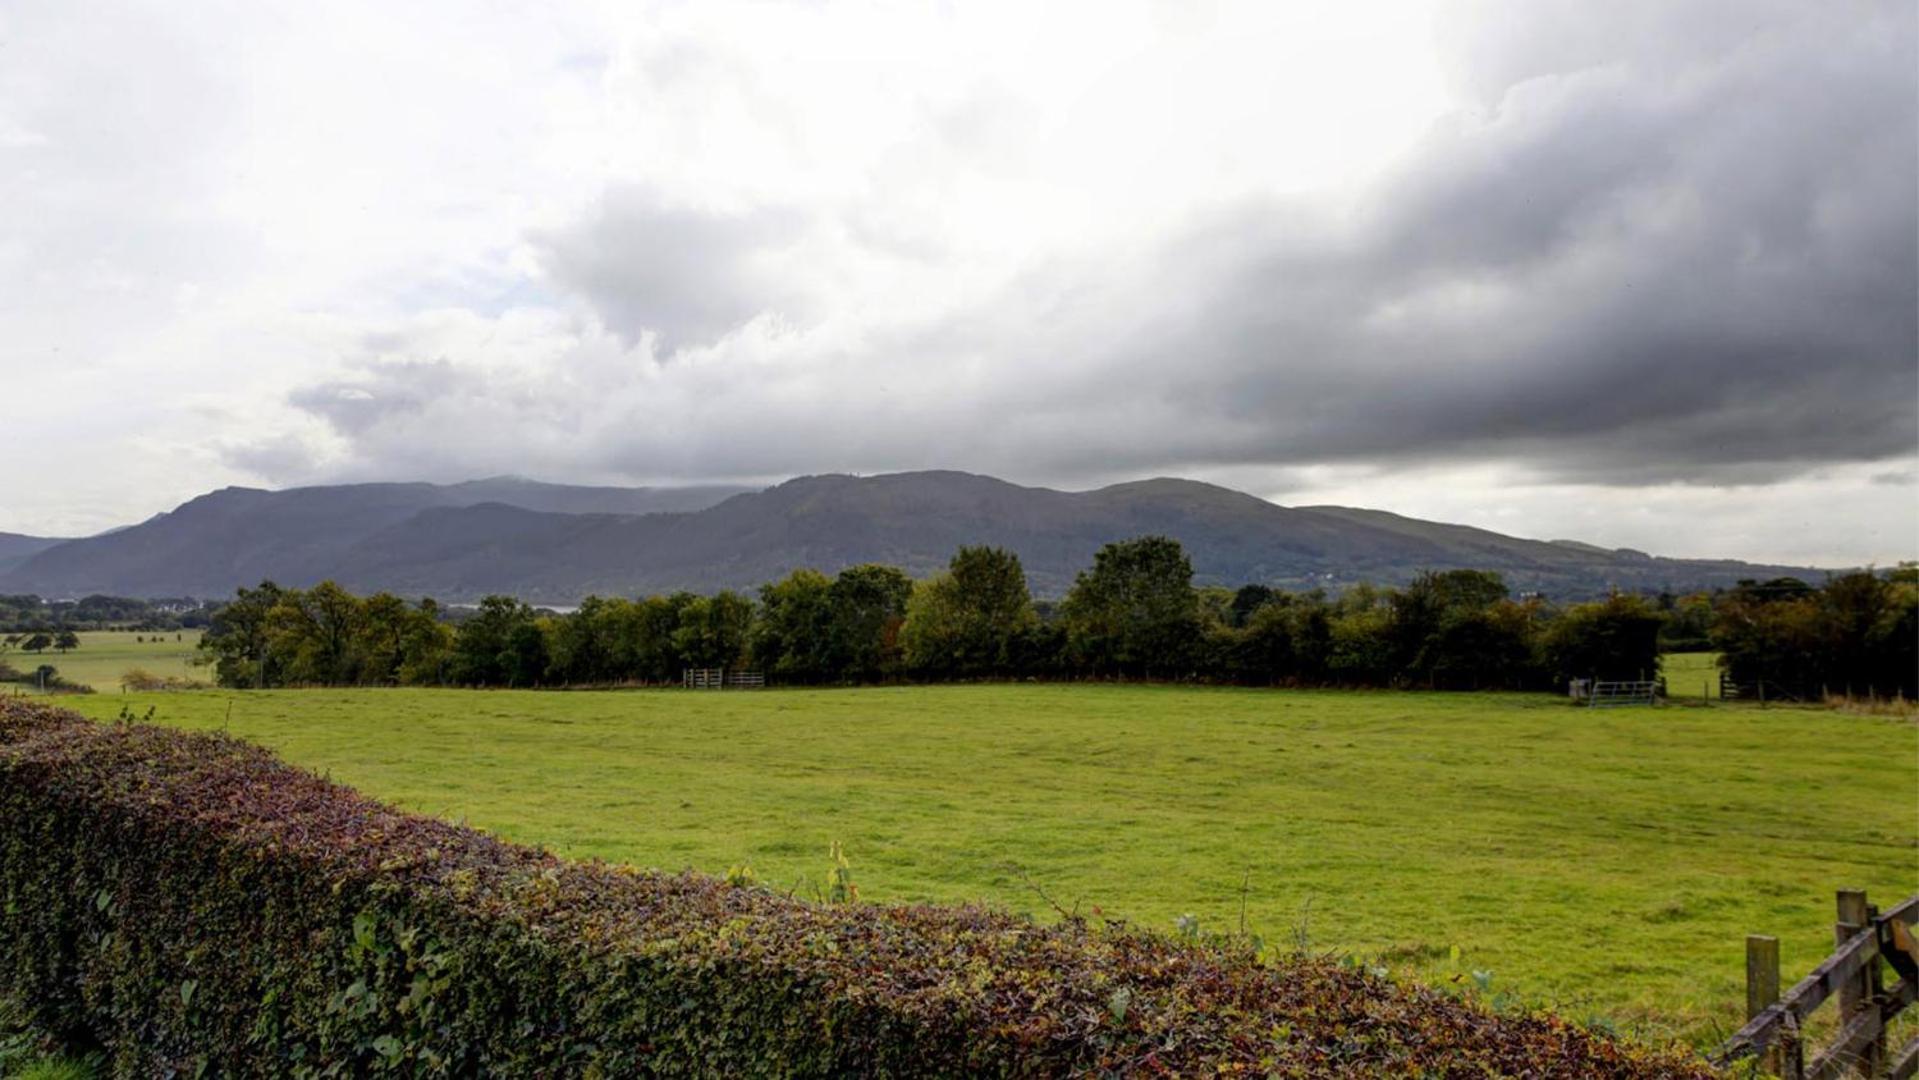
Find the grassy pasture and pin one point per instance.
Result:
(105, 655)
(1690, 675)
(1609, 862)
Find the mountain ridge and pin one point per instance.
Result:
(461, 541)
(16, 548)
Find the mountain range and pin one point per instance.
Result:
(16, 549)
(553, 543)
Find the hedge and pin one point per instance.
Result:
(192, 905)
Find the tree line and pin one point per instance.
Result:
(1134, 614)
(28, 613)
(1856, 635)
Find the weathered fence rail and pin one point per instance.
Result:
(1761, 691)
(1867, 943)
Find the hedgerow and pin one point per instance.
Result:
(191, 904)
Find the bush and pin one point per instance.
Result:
(1857, 634)
(189, 902)
(140, 679)
(43, 677)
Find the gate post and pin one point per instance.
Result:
(1861, 991)
(1762, 990)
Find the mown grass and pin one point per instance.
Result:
(105, 655)
(1609, 862)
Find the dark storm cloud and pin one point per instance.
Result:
(1675, 259)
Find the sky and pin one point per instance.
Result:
(1642, 273)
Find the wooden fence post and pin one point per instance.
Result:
(1762, 988)
(1858, 993)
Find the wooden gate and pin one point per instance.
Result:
(1867, 942)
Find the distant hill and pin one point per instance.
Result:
(212, 544)
(16, 549)
(555, 544)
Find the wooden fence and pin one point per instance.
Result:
(1761, 690)
(1868, 942)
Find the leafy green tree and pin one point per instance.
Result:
(1270, 653)
(525, 659)
(426, 647)
(868, 608)
(237, 641)
(714, 630)
(653, 641)
(493, 647)
(793, 637)
(1489, 648)
(1688, 626)
(1617, 638)
(1215, 605)
(1038, 648)
(313, 631)
(1771, 632)
(1895, 650)
(36, 643)
(591, 645)
(1285, 639)
(970, 620)
(1134, 611)
(1249, 599)
(65, 640)
(1443, 631)
(396, 643)
(1856, 610)
(1360, 647)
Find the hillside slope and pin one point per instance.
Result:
(212, 544)
(16, 548)
(555, 545)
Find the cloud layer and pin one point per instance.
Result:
(1597, 253)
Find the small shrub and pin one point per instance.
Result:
(140, 679)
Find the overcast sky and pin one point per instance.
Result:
(1637, 273)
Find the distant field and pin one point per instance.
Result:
(1688, 675)
(105, 655)
(1607, 861)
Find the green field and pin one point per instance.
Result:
(1690, 675)
(1608, 862)
(105, 655)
